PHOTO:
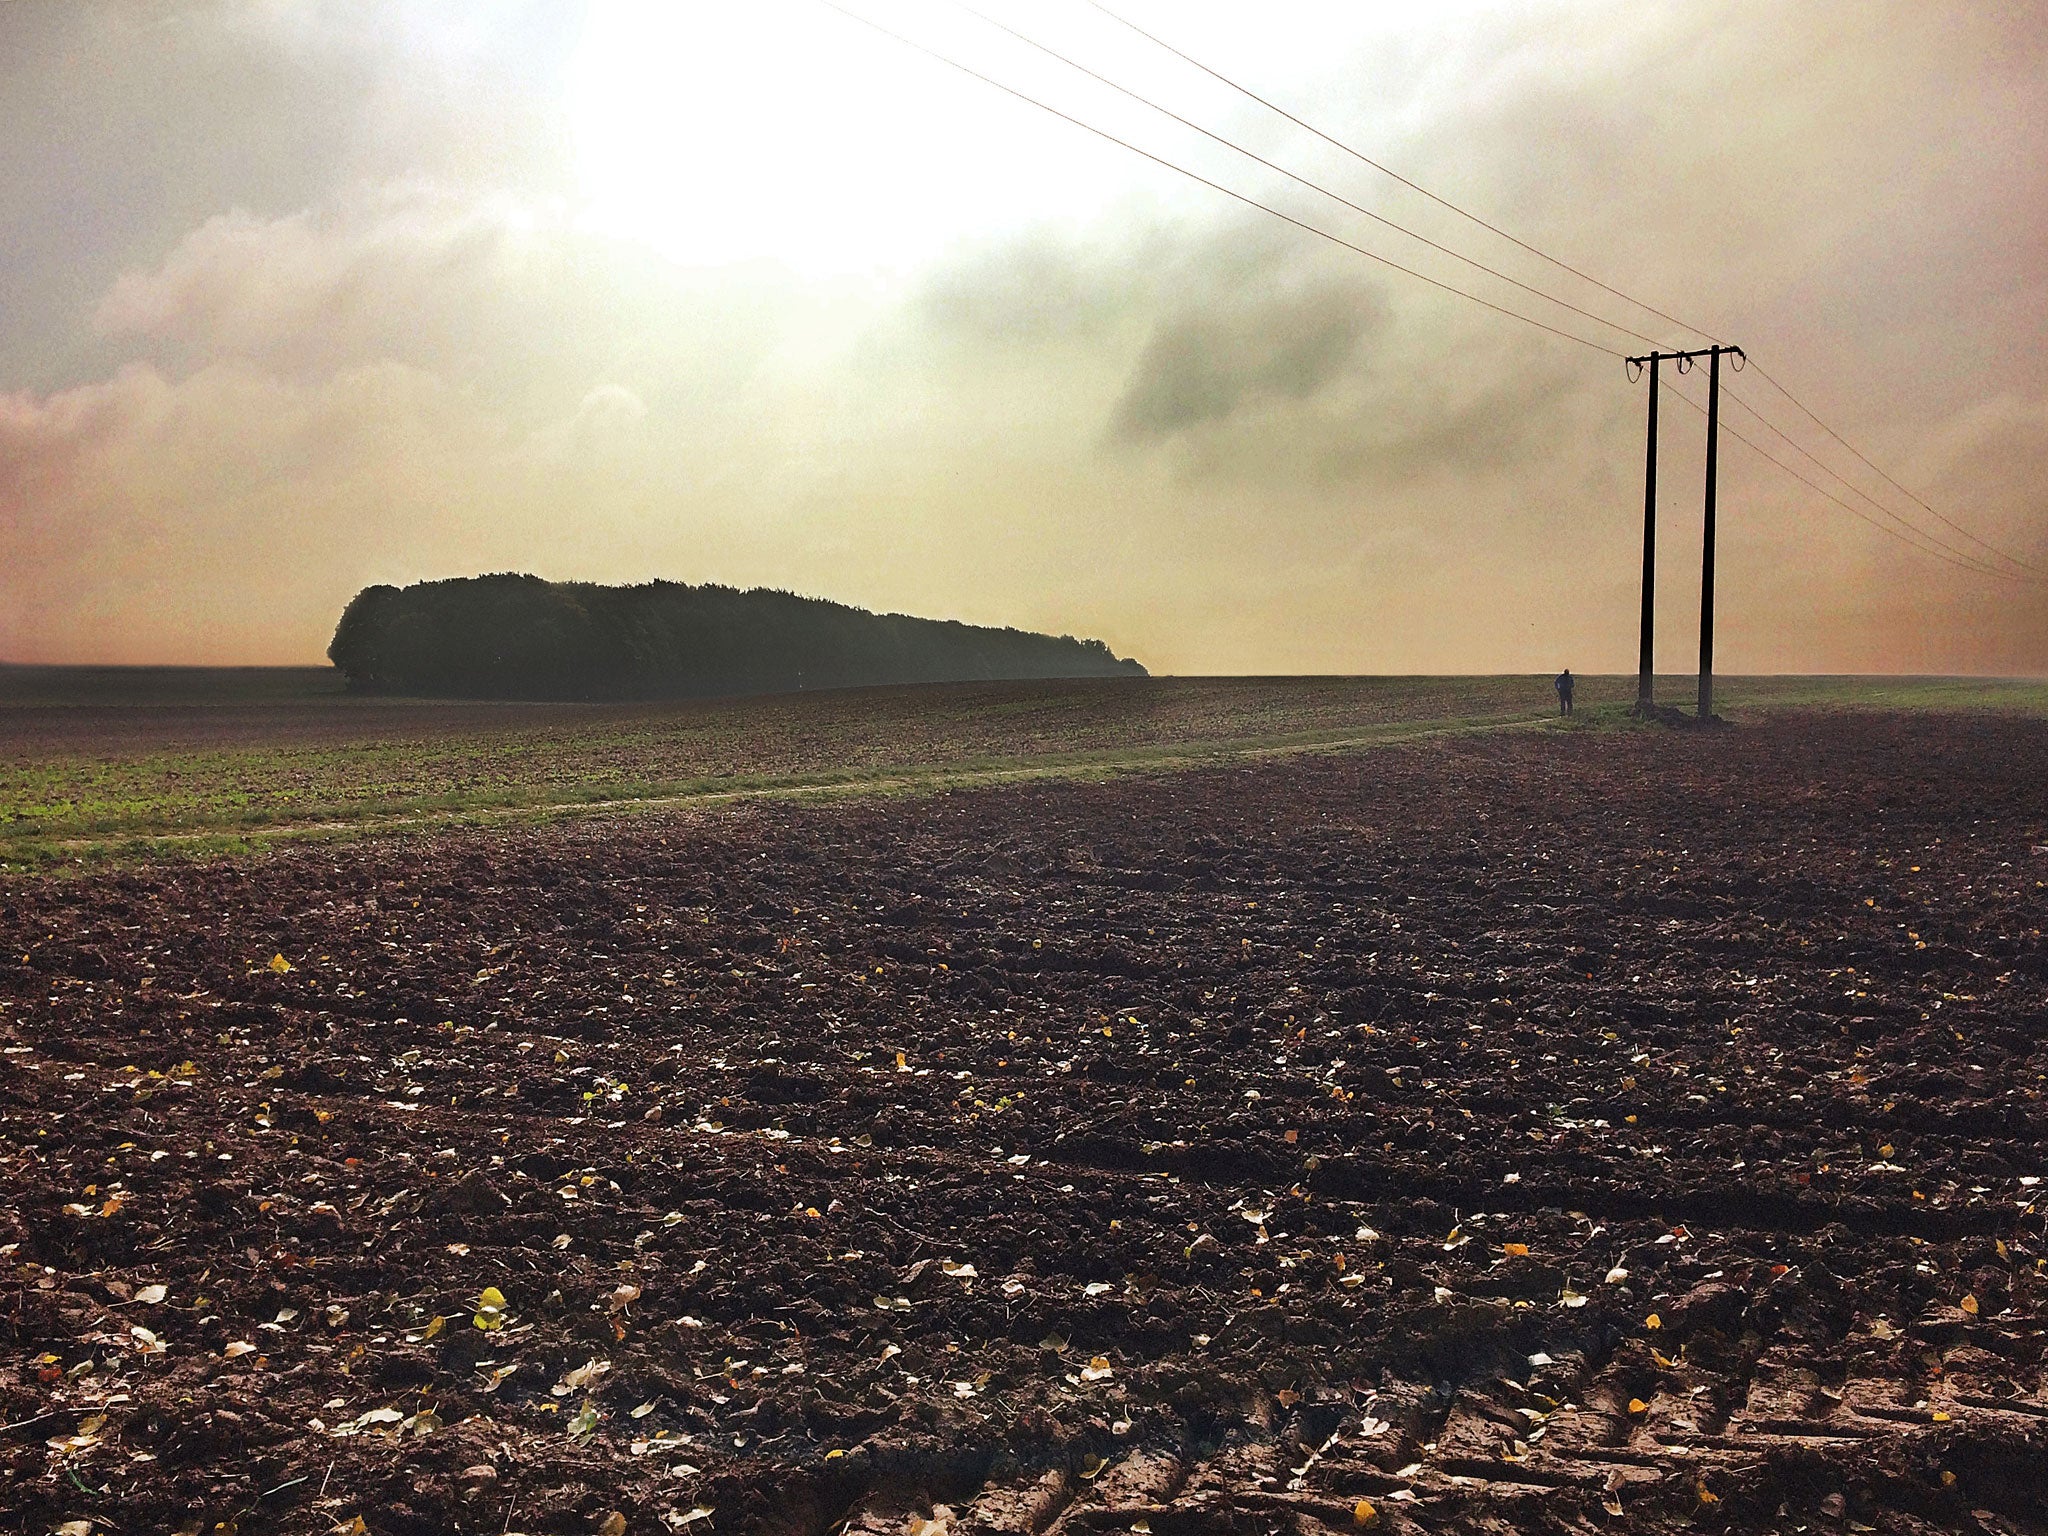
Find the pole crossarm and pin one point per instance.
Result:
(1651, 357)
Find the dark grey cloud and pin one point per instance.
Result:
(1208, 364)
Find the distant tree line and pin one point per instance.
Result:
(519, 637)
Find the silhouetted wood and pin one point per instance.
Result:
(519, 637)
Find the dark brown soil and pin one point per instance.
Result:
(1544, 1131)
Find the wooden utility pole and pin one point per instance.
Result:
(1646, 663)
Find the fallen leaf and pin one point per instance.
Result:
(1970, 1305)
(279, 964)
(1515, 1250)
(613, 1524)
(150, 1295)
(1364, 1513)
(490, 1309)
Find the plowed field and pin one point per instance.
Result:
(1535, 1131)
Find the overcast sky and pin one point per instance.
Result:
(298, 296)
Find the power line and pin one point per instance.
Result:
(1976, 568)
(1848, 484)
(1313, 185)
(1231, 192)
(1831, 432)
(1932, 539)
(1915, 537)
(1384, 170)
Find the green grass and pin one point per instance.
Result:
(139, 764)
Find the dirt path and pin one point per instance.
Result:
(1524, 1131)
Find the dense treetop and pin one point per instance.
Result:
(513, 636)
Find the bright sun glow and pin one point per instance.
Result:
(721, 132)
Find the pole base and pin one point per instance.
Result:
(1665, 714)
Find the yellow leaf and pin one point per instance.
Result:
(279, 964)
(1636, 1405)
(1707, 1495)
(1363, 1513)
(1653, 1321)
(1970, 1305)
(1515, 1250)
(1948, 1479)
(490, 1309)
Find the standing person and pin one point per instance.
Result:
(1565, 684)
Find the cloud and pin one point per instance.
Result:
(1206, 365)
(359, 274)
(218, 510)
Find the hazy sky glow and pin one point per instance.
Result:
(296, 296)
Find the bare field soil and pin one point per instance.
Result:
(1535, 1131)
